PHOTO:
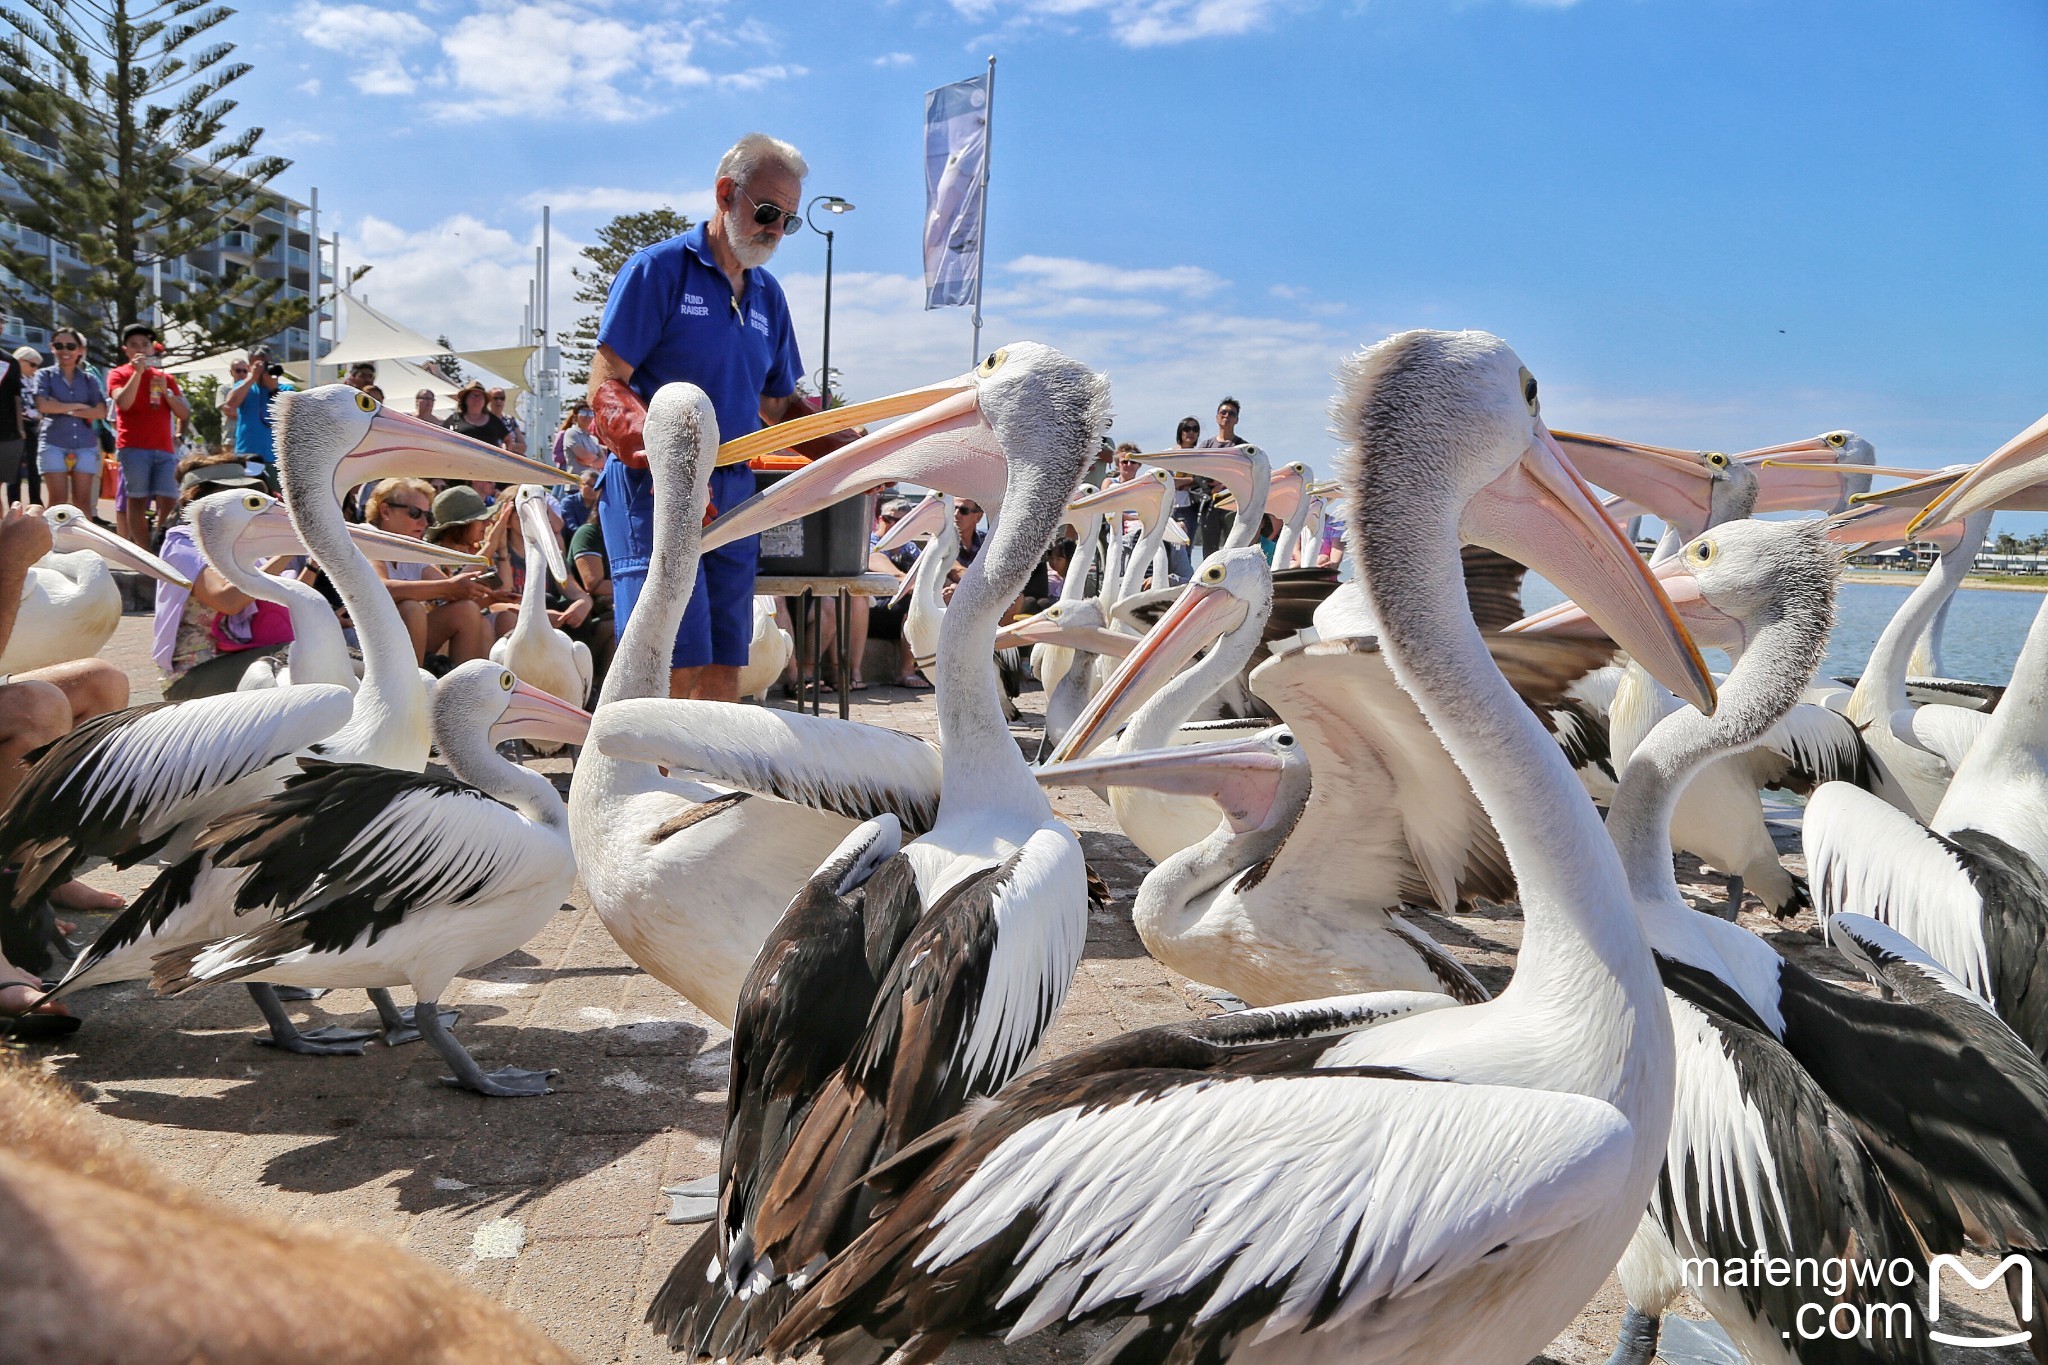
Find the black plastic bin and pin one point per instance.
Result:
(832, 543)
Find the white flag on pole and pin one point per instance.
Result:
(955, 177)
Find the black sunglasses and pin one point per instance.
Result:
(65, 346)
(764, 214)
(409, 510)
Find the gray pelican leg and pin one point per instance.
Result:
(1734, 905)
(694, 1201)
(1638, 1340)
(400, 1025)
(509, 1080)
(330, 1041)
(300, 992)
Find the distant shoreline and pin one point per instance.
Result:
(1912, 580)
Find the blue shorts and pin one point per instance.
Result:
(148, 473)
(52, 459)
(718, 625)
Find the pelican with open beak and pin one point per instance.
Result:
(1679, 487)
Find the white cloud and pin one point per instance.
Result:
(555, 59)
(611, 199)
(1067, 275)
(375, 40)
(309, 87)
(895, 59)
(1140, 23)
(461, 277)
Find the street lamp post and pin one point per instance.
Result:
(833, 205)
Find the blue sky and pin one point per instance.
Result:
(1712, 223)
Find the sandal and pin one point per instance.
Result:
(915, 683)
(860, 685)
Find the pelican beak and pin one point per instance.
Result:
(534, 714)
(1881, 523)
(903, 589)
(927, 517)
(969, 467)
(1284, 494)
(1542, 513)
(1674, 576)
(397, 446)
(795, 432)
(1201, 615)
(1042, 629)
(1240, 775)
(1229, 466)
(2015, 466)
(1147, 496)
(1673, 485)
(84, 534)
(538, 530)
(270, 532)
(1804, 476)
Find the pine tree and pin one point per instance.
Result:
(447, 364)
(615, 245)
(130, 163)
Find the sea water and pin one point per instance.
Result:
(1986, 627)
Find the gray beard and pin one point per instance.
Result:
(748, 249)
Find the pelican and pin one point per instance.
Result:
(1970, 885)
(375, 877)
(1383, 1224)
(141, 783)
(1778, 1068)
(689, 877)
(1719, 817)
(768, 654)
(329, 439)
(70, 603)
(925, 584)
(1149, 497)
(1077, 630)
(536, 650)
(1245, 473)
(998, 885)
(1366, 812)
(1049, 662)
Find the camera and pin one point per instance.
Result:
(274, 370)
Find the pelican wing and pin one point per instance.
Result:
(120, 785)
(859, 771)
(1760, 1159)
(1867, 857)
(1948, 731)
(1218, 1206)
(1811, 745)
(346, 851)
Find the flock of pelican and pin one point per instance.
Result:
(1375, 1159)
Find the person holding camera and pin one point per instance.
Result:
(148, 405)
(248, 402)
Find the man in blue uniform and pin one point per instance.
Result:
(700, 308)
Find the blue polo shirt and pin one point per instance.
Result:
(672, 316)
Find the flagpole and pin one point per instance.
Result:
(988, 130)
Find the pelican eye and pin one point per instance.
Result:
(1717, 459)
(505, 680)
(1213, 574)
(253, 501)
(1284, 741)
(1529, 389)
(1703, 552)
(365, 402)
(1838, 439)
(992, 364)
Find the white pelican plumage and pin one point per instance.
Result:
(70, 603)
(767, 654)
(690, 877)
(1803, 1107)
(997, 889)
(328, 440)
(1049, 662)
(370, 876)
(537, 650)
(1383, 1224)
(925, 585)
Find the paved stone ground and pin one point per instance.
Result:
(550, 1204)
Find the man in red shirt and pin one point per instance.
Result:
(148, 405)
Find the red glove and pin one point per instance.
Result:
(618, 420)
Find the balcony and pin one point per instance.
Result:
(242, 243)
(297, 258)
(30, 146)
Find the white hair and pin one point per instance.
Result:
(756, 150)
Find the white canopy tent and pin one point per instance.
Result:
(369, 335)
